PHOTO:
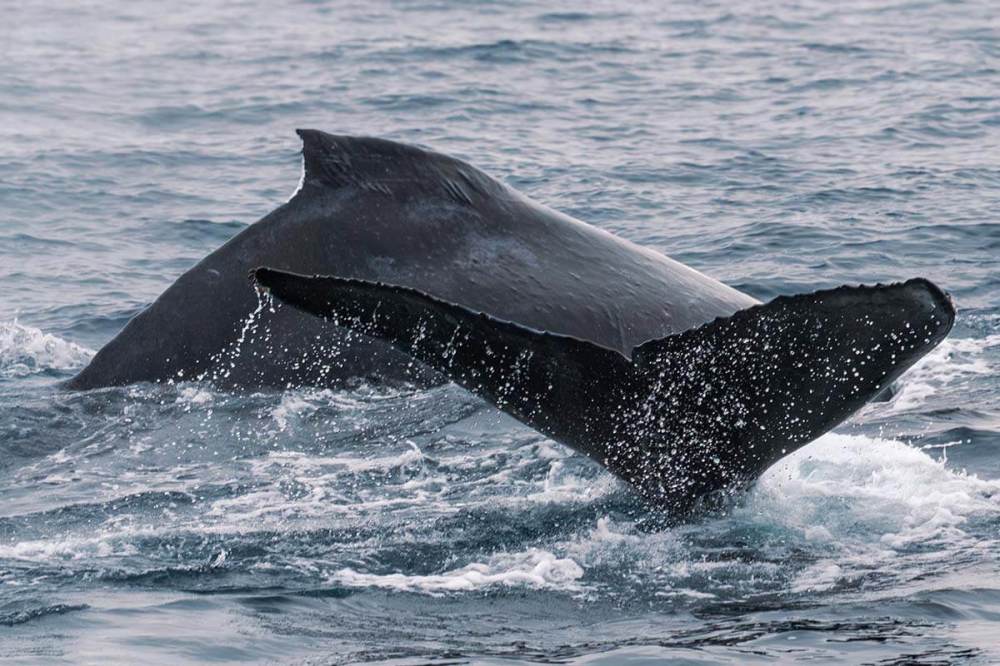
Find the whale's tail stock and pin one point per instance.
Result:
(688, 416)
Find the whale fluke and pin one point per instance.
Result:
(687, 416)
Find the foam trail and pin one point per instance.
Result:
(534, 569)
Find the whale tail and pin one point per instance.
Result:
(767, 380)
(687, 416)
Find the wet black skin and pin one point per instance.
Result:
(383, 211)
(684, 418)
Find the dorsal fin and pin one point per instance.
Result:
(389, 168)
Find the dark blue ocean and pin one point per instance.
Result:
(781, 147)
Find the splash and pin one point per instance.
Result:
(25, 350)
(872, 511)
(224, 361)
(955, 362)
(865, 489)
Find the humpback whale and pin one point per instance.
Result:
(687, 418)
(404, 264)
(382, 211)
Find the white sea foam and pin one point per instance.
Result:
(350, 405)
(534, 568)
(25, 350)
(858, 503)
(292, 404)
(303, 462)
(67, 548)
(194, 396)
(324, 488)
(954, 361)
(883, 485)
(855, 501)
(872, 503)
(853, 504)
(562, 485)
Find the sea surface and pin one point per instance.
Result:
(781, 147)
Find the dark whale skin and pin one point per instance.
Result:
(376, 210)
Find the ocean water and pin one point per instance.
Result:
(778, 146)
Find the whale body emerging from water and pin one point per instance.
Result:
(382, 211)
(403, 264)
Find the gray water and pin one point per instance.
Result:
(780, 147)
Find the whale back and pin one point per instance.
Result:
(377, 210)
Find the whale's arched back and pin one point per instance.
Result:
(378, 210)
